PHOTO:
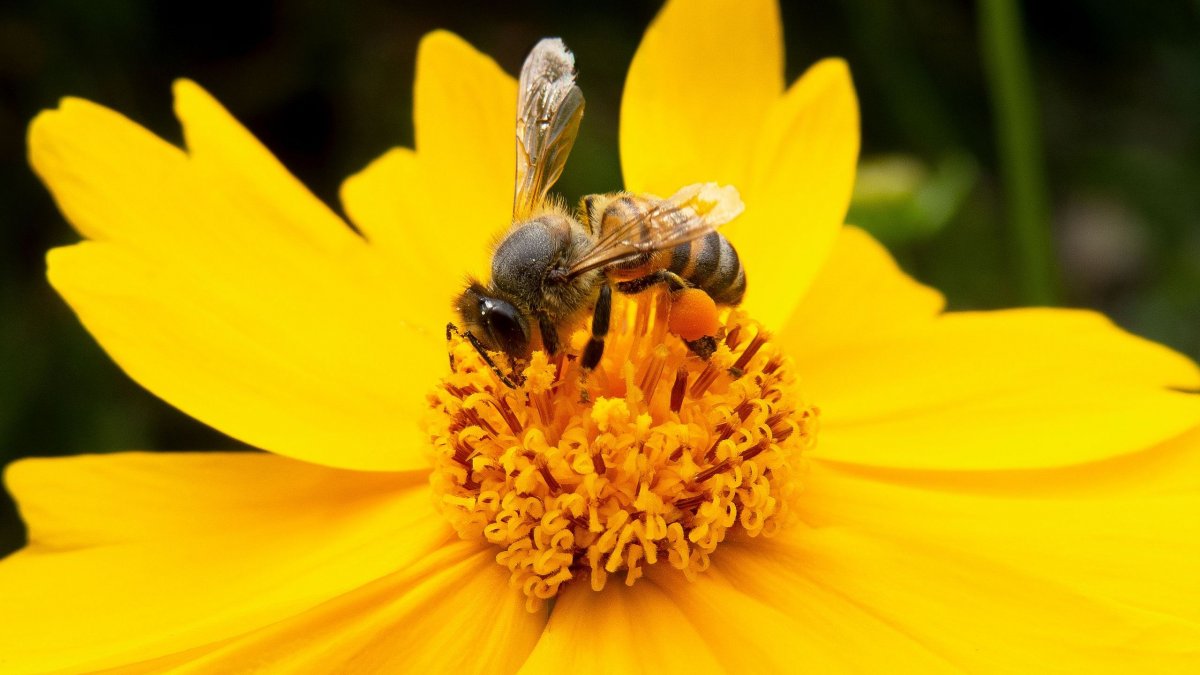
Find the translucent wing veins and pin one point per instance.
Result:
(549, 109)
(689, 214)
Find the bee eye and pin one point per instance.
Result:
(505, 326)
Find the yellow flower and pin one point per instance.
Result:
(1013, 491)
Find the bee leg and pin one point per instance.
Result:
(590, 214)
(451, 329)
(549, 335)
(600, 319)
(703, 347)
(634, 286)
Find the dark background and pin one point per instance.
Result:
(327, 86)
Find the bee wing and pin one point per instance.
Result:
(549, 109)
(689, 214)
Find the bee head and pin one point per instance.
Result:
(496, 322)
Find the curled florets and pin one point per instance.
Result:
(653, 458)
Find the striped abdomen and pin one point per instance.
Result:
(711, 264)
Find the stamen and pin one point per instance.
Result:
(731, 338)
(756, 343)
(707, 377)
(507, 413)
(641, 325)
(541, 402)
(726, 431)
(653, 372)
(577, 475)
(678, 390)
(550, 482)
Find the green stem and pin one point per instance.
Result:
(1020, 145)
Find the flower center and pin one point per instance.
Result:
(652, 458)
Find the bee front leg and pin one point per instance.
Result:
(549, 335)
(451, 329)
(600, 320)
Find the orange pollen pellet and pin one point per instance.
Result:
(693, 314)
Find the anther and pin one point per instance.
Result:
(726, 431)
(654, 369)
(757, 449)
(541, 403)
(755, 344)
(550, 481)
(689, 503)
(711, 471)
(642, 322)
(506, 412)
(477, 420)
(462, 456)
(678, 390)
(707, 377)
(744, 409)
(731, 338)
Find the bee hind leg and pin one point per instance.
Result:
(634, 286)
(702, 347)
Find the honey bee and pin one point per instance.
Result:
(552, 268)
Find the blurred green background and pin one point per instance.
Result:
(327, 86)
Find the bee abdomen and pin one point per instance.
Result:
(711, 264)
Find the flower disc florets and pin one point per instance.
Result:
(654, 457)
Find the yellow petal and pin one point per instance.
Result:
(999, 583)
(437, 210)
(139, 556)
(1166, 469)
(759, 614)
(859, 295)
(621, 630)
(698, 90)
(451, 612)
(236, 298)
(717, 623)
(115, 181)
(111, 178)
(390, 202)
(798, 189)
(262, 191)
(991, 390)
(465, 110)
(324, 377)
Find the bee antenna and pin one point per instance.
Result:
(451, 329)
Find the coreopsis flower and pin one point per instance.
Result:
(854, 480)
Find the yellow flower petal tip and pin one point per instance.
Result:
(183, 88)
(700, 84)
(447, 42)
(652, 458)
